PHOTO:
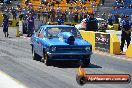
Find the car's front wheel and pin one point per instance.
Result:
(46, 59)
(35, 56)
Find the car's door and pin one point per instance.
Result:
(37, 42)
(40, 42)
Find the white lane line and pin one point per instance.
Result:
(7, 81)
(122, 57)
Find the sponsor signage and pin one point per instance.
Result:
(102, 42)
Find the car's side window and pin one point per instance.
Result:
(37, 33)
(40, 33)
(44, 33)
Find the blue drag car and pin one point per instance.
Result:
(60, 42)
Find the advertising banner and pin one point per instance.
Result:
(102, 42)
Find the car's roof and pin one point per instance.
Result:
(57, 26)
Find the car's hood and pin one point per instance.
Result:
(58, 41)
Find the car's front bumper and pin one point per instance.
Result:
(69, 56)
(65, 54)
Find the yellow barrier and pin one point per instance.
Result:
(17, 33)
(116, 27)
(13, 23)
(1, 19)
(89, 36)
(114, 42)
(129, 51)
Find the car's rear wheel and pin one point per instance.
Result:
(35, 56)
(46, 59)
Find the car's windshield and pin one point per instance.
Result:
(54, 31)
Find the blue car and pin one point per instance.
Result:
(60, 42)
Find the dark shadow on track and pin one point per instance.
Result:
(10, 37)
(71, 64)
(94, 66)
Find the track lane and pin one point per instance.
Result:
(16, 60)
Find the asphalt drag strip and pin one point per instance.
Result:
(16, 61)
